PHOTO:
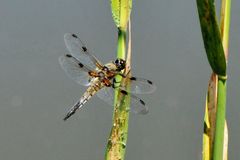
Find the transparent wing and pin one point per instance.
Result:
(107, 95)
(75, 69)
(140, 86)
(76, 47)
(137, 105)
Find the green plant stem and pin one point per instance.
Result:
(118, 137)
(121, 52)
(121, 44)
(219, 137)
(220, 120)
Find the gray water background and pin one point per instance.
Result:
(167, 48)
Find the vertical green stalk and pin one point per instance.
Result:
(121, 10)
(220, 120)
(218, 150)
(216, 46)
(121, 44)
(118, 138)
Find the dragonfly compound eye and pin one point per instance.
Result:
(123, 62)
(117, 61)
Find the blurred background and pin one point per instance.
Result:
(167, 49)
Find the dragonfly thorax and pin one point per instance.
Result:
(110, 67)
(101, 75)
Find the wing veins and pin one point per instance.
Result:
(77, 48)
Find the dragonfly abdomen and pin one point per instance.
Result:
(84, 99)
(96, 86)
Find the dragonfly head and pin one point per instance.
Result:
(120, 64)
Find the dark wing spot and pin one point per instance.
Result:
(68, 55)
(133, 78)
(74, 35)
(124, 92)
(84, 48)
(150, 82)
(80, 65)
(142, 102)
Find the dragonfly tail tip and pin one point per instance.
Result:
(67, 116)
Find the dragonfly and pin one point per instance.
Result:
(84, 68)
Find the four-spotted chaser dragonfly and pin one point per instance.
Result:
(87, 70)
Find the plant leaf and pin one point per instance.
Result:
(121, 10)
(211, 36)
